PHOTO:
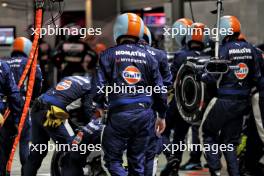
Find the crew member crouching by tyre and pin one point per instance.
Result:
(155, 142)
(195, 44)
(223, 118)
(130, 114)
(50, 112)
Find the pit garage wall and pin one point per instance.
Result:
(250, 13)
(22, 19)
(18, 18)
(104, 13)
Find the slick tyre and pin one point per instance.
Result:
(191, 95)
(56, 163)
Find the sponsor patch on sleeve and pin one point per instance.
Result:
(64, 85)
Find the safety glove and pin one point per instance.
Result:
(53, 123)
(55, 117)
(170, 93)
(94, 126)
(90, 133)
(242, 146)
(2, 120)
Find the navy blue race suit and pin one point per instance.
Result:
(9, 89)
(130, 113)
(223, 118)
(155, 143)
(67, 91)
(17, 63)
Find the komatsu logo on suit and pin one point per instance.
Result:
(240, 51)
(131, 75)
(131, 53)
(64, 85)
(242, 72)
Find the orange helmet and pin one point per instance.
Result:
(185, 21)
(197, 34)
(128, 24)
(23, 45)
(147, 35)
(99, 47)
(229, 23)
(180, 24)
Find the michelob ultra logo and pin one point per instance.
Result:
(242, 72)
(131, 75)
(64, 85)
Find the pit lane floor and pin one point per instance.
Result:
(45, 167)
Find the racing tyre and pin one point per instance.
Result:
(92, 168)
(191, 96)
(55, 167)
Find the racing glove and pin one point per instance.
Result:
(242, 146)
(53, 123)
(55, 117)
(94, 126)
(90, 133)
(170, 96)
(2, 120)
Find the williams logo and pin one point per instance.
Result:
(131, 75)
(242, 72)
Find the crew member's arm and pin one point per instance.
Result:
(165, 70)
(178, 60)
(87, 102)
(103, 71)
(13, 95)
(159, 97)
(258, 77)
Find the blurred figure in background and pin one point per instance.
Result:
(70, 54)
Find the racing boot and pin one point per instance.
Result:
(215, 173)
(171, 168)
